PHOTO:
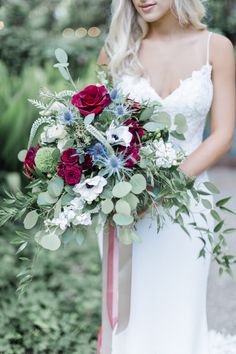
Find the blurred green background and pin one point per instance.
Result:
(61, 311)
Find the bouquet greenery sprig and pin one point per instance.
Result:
(94, 155)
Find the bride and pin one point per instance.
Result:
(160, 50)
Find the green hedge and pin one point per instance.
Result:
(60, 313)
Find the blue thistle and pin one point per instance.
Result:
(114, 164)
(97, 150)
(67, 117)
(114, 94)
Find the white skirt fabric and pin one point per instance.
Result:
(168, 293)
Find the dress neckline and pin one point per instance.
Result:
(190, 77)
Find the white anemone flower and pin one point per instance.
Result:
(52, 133)
(91, 188)
(119, 135)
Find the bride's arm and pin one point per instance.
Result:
(223, 111)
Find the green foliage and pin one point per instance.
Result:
(60, 312)
(38, 27)
(222, 17)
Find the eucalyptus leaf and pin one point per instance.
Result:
(146, 113)
(44, 199)
(55, 187)
(132, 200)
(21, 155)
(66, 199)
(181, 124)
(50, 241)
(31, 219)
(121, 189)
(177, 135)
(152, 126)
(122, 219)
(61, 55)
(163, 119)
(122, 207)
(138, 183)
(107, 206)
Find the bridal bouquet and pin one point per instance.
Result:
(95, 155)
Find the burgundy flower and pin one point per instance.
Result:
(69, 157)
(88, 162)
(29, 164)
(135, 129)
(72, 174)
(131, 151)
(93, 99)
(61, 169)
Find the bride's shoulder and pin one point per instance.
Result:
(221, 49)
(221, 41)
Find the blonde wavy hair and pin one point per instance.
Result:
(127, 29)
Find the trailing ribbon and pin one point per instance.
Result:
(116, 287)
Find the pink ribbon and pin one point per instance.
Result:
(112, 276)
(116, 288)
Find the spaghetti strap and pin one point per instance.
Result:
(208, 47)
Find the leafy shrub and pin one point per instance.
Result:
(60, 312)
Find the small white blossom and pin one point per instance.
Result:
(166, 155)
(119, 135)
(72, 214)
(83, 219)
(90, 188)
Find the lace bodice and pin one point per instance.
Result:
(192, 98)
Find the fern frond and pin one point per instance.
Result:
(36, 103)
(36, 125)
(44, 92)
(65, 93)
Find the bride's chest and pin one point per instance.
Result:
(193, 96)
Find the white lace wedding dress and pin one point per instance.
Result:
(169, 283)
